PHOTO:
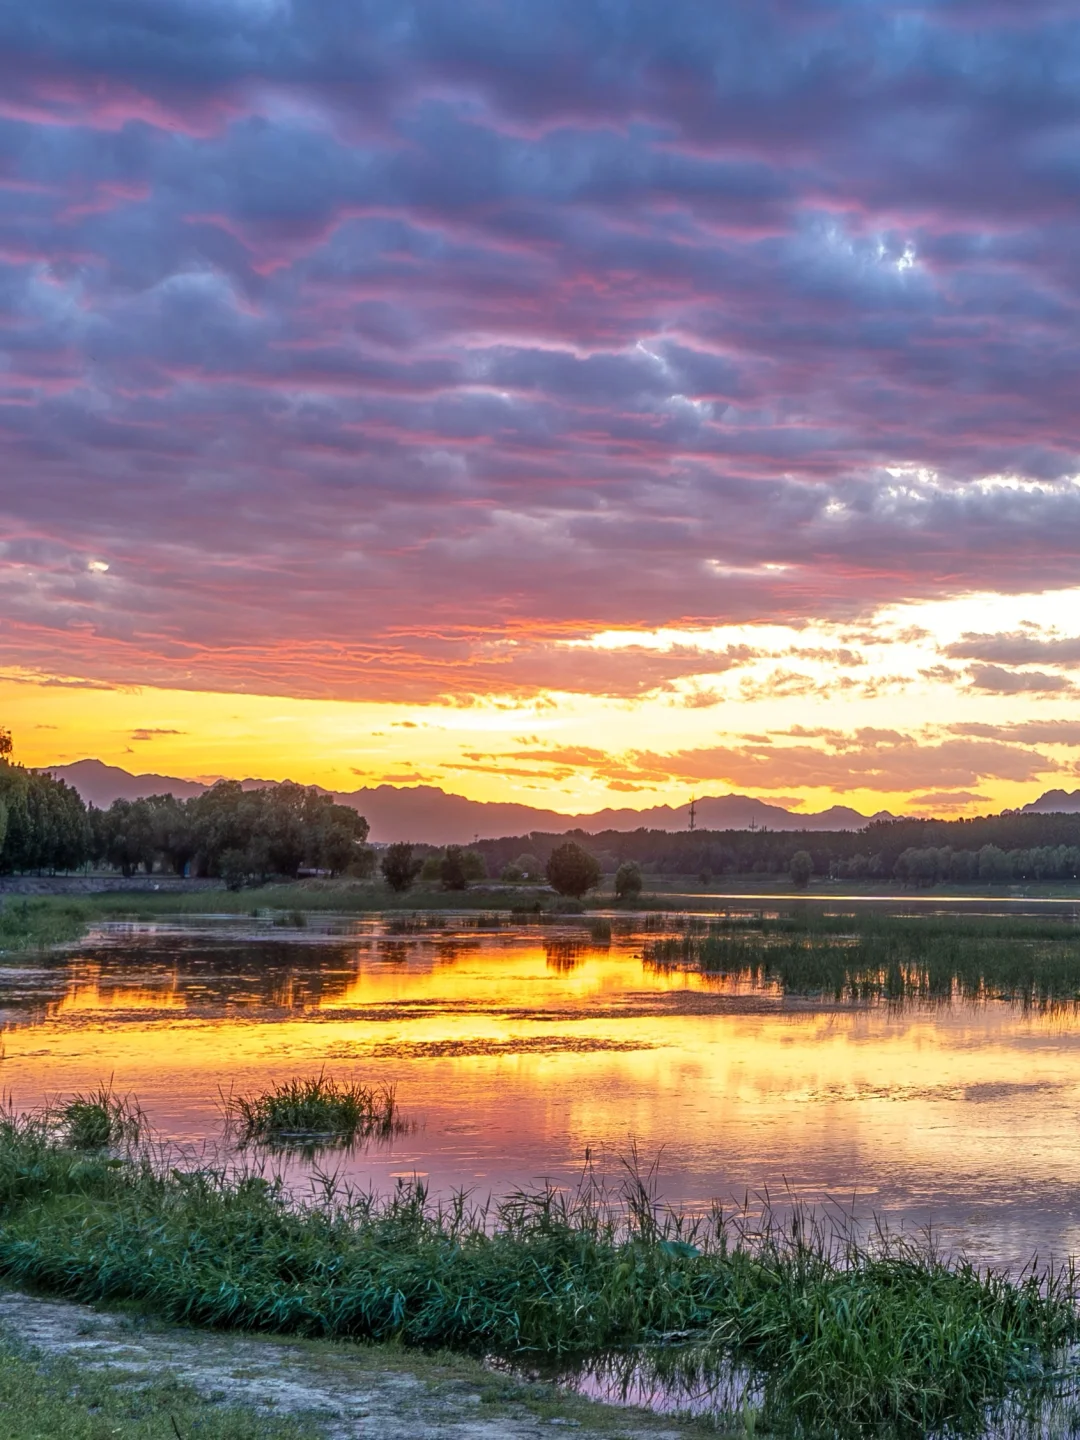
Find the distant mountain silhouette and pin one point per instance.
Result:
(100, 784)
(426, 813)
(1065, 802)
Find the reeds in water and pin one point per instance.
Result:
(1032, 961)
(316, 1109)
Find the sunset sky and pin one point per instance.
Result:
(579, 402)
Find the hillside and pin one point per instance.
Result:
(425, 812)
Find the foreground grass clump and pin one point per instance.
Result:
(835, 1335)
(43, 1399)
(98, 1119)
(318, 1108)
(1031, 960)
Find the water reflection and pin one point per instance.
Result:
(518, 1048)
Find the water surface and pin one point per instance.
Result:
(521, 1052)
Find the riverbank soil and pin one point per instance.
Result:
(340, 1391)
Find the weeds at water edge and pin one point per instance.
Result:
(838, 1335)
(100, 1118)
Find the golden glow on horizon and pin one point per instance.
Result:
(753, 723)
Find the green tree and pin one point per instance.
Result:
(452, 870)
(571, 870)
(5, 743)
(234, 867)
(47, 826)
(801, 868)
(400, 866)
(628, 881)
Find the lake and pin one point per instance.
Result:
(520, 1053)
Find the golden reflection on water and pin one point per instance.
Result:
(87, 993)
(512, 1067)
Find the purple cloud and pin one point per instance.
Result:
(423, 328)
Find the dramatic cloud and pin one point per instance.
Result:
(629, 364)
(422, 329)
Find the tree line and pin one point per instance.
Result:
(995, 849)
(228, 832)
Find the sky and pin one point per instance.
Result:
(579, 402)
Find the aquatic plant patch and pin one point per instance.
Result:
(316, 1108)
(892, 957)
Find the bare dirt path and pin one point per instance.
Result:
(352, 1392)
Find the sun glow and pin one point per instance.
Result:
(816, 714)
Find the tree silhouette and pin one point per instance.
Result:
(400, 866)
(628, 881)
(802, 867)
(572, 870)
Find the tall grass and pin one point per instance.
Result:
(319, 1108)
(838, 1336)
(98, 1119)
(1035, 961)
(35, 924)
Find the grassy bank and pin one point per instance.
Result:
(37, 924)
(837, 1335)
(43, 1399)
(43, 921)
(869, 955)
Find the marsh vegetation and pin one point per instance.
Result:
(875, 956)
(99, 1118)
(834, 1334)
(503, 1032)
(317, 1109)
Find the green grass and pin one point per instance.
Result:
(869, 955)
(36, 924)
(50, 1399)
(839, 1335)
(98, 1119)
(319, 1108)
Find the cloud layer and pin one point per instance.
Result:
(374, 350)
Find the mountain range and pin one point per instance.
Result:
(427, 813)
(1065, 802)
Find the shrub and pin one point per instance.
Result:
(234, 869)
(458, 867)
